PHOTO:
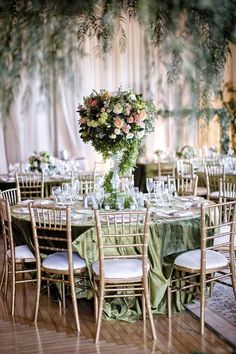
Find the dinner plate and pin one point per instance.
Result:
(44, 202)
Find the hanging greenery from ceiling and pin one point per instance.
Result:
(41, 35)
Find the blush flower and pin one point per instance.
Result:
(130, 119)
(118, 122)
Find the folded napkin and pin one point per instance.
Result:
(119, 219)
(44, 201)
(21, 210)
(171, 213)
(183, 213)
(27, 201)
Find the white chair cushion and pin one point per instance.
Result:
(201, 191)
(59, 261)
(22, 252)
(192, 259)
(215, 195)
(120, 268)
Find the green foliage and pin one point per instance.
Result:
(41, 36)
(226, 115)
(111, 199)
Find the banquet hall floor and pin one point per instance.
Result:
(55, 332)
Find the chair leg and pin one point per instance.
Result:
(95, 289)
(202, 304)
(100, 309)
(63, 292)
(169, 301)
(6, 279)
(149, 310)
(144, 310)
(13, 290)
(232, 270)
(74, 301)
(37, 295)
(2, 276)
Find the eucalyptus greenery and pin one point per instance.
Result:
(226, 115)
(41, 35)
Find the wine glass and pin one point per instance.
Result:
(149, 186)
(56, 190)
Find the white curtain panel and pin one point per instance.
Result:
(37, 122)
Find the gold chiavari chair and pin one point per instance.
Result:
(15, 257)
(51, 227)
(10, 195)
(29, 186)
(227, 190)
(227, 194)
(195, 269)
(213, 174)
(120, 268)
(184, 185)
(165, 169)
(85, 186)
(184, 168)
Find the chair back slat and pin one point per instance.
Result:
(29, 186)
(218, 226)
(51, 228)
(122, 234)
(10, 195)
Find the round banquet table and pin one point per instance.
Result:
(167, 238)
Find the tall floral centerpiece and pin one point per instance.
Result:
(115, 124)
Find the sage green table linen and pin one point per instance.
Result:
(167, 238)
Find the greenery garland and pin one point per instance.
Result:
(41, 36)
(226, 115)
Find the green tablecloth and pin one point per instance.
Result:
(47, 185)
(167, 238)
(202, 178)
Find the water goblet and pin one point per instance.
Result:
(149, 186)
(56, 190)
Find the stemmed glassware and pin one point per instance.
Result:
(149, 186)
(56, 190)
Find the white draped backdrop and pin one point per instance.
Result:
(37, 122)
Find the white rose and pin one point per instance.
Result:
(113, 136)
(129, 135)
(117, 131)
(140, 134)
(132, 97)
(118, 108)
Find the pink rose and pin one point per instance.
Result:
(118, 122)
(126, 128)
(130, 119)
(137, 119)
(143, 114)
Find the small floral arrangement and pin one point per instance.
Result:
(186, 152)
(40, 161)
(116, 123)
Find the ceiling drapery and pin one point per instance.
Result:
(38, 40)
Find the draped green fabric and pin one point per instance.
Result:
(167, 238)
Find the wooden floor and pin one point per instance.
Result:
(55, 332)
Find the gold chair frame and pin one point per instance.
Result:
(121, 232)
(186, 278)
(51, 227)
(11, 262)
(29, 186)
